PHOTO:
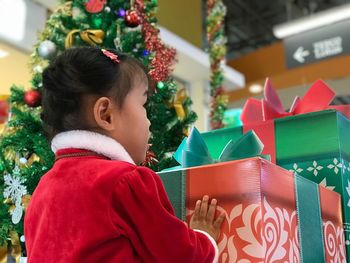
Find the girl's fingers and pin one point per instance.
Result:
(197, 209)
(211, 211)
(218, 222)
(204, 207)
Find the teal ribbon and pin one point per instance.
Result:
(193, 150)
(309, 220)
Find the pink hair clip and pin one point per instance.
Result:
(111, 56)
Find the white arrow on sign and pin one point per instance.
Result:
(300, 54)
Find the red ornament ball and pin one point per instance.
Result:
(32, 98)
(95, 6)
(132, 19)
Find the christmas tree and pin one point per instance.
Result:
(25, 153)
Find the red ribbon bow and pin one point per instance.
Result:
(317, 98)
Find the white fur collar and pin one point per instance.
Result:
(91, 141)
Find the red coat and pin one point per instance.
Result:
(93, 209)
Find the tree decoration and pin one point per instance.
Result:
(161, 64)
(217, 51)
(121, 12)
(32, 98)
(47, 49)
(89, 36)
(150, 159)
(132, 19)
(160, 85)
(179, 99)
(14, 190)
(95, 6)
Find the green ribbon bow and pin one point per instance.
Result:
(193, 151)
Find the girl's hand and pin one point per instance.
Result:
(204, 218)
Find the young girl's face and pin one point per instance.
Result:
(131, 125)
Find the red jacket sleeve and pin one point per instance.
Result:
(141, 209)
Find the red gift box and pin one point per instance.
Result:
(262, 217)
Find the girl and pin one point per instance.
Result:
(96, 204)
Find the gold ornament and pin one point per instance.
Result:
(90, 36)
(33, 158)
(180, 97)
(7, 130)
(10, 154)
(15, 248)
(3, 254)
(15, 245)
(25, 201)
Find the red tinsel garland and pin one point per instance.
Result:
(161, 64)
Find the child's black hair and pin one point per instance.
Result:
(82, 71)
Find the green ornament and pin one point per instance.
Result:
(97, 22)
(160, 85)
(154, 2)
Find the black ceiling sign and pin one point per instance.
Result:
(319, 44)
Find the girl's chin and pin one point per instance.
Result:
(139, 161)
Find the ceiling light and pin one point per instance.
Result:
(313, 21)
(255, 88)
(3, 53)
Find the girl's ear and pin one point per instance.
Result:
(103, 113)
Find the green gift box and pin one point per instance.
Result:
(315, 145)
